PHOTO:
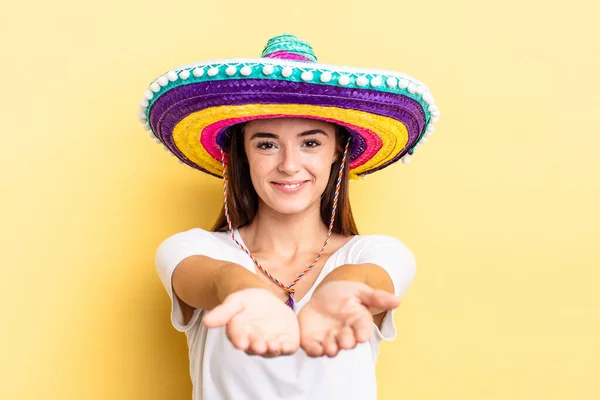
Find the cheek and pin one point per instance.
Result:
(320, 168)
(260, 167)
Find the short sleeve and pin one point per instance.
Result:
(169, 254)
(398, 261)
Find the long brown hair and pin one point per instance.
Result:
(242, 199)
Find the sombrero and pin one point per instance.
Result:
(190, 108)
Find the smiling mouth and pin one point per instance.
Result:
(289, 185)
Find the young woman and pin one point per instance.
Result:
(283, 299)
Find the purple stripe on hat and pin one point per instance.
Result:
(177, 103)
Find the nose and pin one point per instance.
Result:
(290, 161)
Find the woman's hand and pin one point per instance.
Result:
(340, 315)
(257, 322)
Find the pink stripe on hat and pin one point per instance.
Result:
(286, 55)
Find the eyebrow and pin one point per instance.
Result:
(274, 136)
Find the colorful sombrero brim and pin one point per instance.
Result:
(189, 109)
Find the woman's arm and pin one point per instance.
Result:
(370, 274)
(344, 306)
(202, 282)
(230, 296)
(255, 319)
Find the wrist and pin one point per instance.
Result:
(231, 278)
(346, 272)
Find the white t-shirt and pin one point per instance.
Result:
(219, 371)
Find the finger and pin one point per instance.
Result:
(289, 345)
(273, 347)
(379, 299)
(239, 337)
(249, 349)
(330, 344)
(312, 348)
(258, 345)
(282, 345)
(222, 314)
(363, 326)
(345, 338)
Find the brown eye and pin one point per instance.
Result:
(312, 143)
(265, 145)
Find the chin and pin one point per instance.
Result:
(290, 208)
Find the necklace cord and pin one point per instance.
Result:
(289, 290)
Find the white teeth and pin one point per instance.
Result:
(290, 186)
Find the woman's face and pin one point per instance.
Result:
(290, 161)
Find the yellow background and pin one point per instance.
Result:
(500, 207)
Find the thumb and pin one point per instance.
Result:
(222, 314)
(378, 299)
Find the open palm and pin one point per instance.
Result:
(340, 315)
(257, 322)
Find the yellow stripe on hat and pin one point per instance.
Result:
(187, 132)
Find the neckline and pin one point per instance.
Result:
(319, 277)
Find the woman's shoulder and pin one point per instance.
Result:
(376, 239)
(196, 241)
(382, 244)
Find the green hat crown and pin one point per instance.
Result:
(289, 47)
